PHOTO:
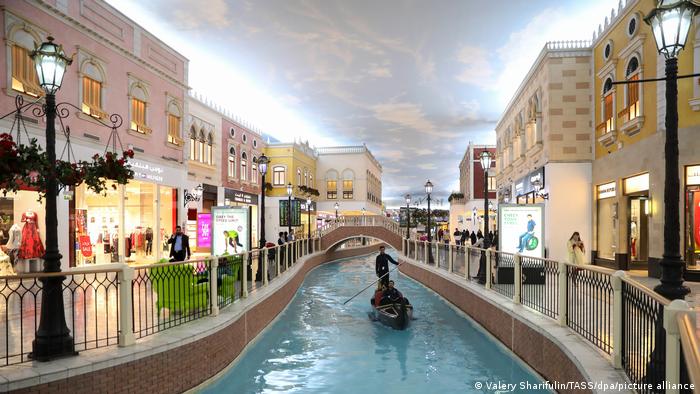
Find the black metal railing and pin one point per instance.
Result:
(589, 305)
(91, 302)
(540, 287)
(168, 295)
(504, 278)
(643, 339)
(229, 279)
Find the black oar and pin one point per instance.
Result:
(370, 285)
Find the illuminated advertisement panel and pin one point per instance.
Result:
(521, 229)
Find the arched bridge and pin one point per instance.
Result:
(378, 227)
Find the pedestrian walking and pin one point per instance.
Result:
(179, 245)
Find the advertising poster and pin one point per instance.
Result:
(521, 229)
(230, 228)
(204, 230)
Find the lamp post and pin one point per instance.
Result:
(308, 216)
(486, 159)
(408, 216)
(53, 337)
(289, 207)
(262, 169)
(336, 212)
(670, 22)
(428, 191)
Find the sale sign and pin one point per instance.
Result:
(204, 230)
(85, 245)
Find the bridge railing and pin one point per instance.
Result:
(119, 303)
(638, 329)
(361, 221)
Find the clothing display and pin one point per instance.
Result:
(31, 246)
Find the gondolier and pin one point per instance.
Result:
(382, 266)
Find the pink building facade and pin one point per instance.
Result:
(118, 68)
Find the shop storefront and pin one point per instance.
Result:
(127, 223)
(22, 232)
(692, 217)
(199, 206)
(524, 189)
(237, 198)
(308, 217)
(606, 207)
(638, 207)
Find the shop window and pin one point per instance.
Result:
(231, 162)
(174, 123)
(244, 166)
(278, 178)
(193, 144)
(24, 78)
(92, 90)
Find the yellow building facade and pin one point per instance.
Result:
(629, 123)
(293, 163)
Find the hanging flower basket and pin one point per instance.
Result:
(70, 174)
(108, 167)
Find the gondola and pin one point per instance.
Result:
(396, 315)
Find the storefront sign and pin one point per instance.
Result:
(637, 183)
(204, 230)
(692, 175)
(147, 172)
(524, 184)
(85, 245)
(521, 229)
(606, 191)
(241, 197)
(230, 230)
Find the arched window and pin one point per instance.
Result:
(200, 147)
(193, 144)
(24, 78)
(231, 162)
(278, 176)
(348, 180)
(93, 81)
(244, 166)
(299, 177)
(210, 149)
(311, 180)
(139, 98)
(174, 122)
(608, 107)
(332, 185)
(306, 177)
(254, 171)
(633, 90)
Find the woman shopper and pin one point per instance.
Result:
(576, 249)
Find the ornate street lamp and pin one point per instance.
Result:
(53, 337)
(428, 190)
(670, 22)
(263, 161)
(308, 216)
(408, 216)
(289, 207)
(486, 159)
(336, 211)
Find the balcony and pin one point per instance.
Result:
(630, 119)
(605, 132)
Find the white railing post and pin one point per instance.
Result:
(286, 256)
(517, 278)
(266, 252)
(673, 344)
(214, 286)
(126, 324)
(245, 275)
(467, 252)
(488, 270)
(278, 251)
(425, 252)
(616, 281)
(435, 253)
(415, 250)
(561, 288)
(449, 259)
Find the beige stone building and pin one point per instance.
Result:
(629, 169)
(544, 136)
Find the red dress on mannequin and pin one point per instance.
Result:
(31, 247)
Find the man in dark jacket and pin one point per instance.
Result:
(179, 245)
(382, 266)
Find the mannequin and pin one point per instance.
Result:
(31, 246)
(14, 242)
(633, 238)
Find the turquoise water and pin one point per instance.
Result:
(319, 345)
